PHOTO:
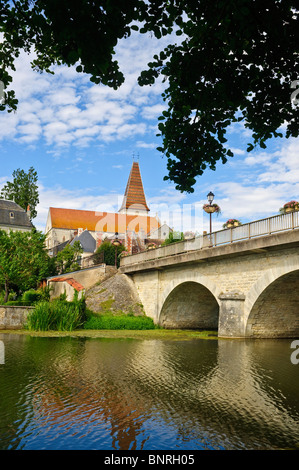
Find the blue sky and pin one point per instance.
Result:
(81, 139)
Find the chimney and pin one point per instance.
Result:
(29, 212)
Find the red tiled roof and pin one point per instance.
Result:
(72, 282)
(94, 221)
(134, 195)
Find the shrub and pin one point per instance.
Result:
(58, 315)
(31, 296)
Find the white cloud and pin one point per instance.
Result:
(66, 109)
(237, 151)
(145, 145)
(152, 112)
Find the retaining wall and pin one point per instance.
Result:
(13, 317)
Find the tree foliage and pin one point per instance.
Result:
(67, 259)
(23, 190)
(173, 237)
(108, 249)
(24, 261)
(235, 62)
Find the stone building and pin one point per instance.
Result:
(132, 222)
(13, 217)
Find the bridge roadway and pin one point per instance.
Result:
(249, 288)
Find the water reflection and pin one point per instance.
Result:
(78, 393)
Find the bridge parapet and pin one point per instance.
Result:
(257, 228)
(262, 228)
(172, 249)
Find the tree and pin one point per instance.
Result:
(235, 62)
(23, 190)
(67, 259)
(24, 262)
(173, 237)
(108, 249)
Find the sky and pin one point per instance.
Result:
(81, 139)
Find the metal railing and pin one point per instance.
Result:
(258, 228)
(92, 260)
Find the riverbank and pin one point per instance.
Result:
(129, 334)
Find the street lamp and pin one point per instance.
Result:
(116, 242)
(210, 197)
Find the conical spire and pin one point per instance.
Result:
(134, 199)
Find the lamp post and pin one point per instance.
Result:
(210, 197)
(116, 242)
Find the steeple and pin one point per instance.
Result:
(134, 201)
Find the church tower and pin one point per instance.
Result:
(134, 202)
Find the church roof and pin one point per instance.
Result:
(134, 195)
(12, 215)
(87, 241)
(101, 221)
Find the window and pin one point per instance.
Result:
(11, 215)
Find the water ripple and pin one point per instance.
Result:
(70, 393)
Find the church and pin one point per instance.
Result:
(133, 225)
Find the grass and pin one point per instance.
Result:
(156, 334)
(109, 318)
(118, 322)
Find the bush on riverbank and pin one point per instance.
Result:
(118, 322)
(58, 315)
(61, 315)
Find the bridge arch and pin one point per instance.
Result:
(190, 303)
(272, 306)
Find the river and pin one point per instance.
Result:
(73, 393)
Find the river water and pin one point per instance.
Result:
(75, 393)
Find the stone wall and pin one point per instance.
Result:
(13, 317)
(88, 277)
(116, 294)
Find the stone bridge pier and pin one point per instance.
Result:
(248, 289)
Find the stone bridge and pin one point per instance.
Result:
(244, 288)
